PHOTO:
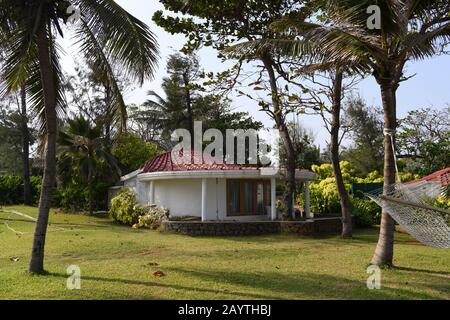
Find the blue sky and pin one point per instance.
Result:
(429, 88)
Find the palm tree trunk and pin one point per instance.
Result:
(25, 149)
(290, 183)
(384, 251)
(108, 117)
(335, 127)
(49, 90)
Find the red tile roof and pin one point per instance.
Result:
(165, 162)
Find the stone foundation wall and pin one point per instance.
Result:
(226, 228)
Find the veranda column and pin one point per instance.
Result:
(307, 201)
(273, 199)
(151, 197)
(203, 199)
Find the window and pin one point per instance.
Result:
(247, 197)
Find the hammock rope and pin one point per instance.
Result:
(408, 205)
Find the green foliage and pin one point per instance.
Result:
(366, 213)
(254, 20)
(11, 189)
(365, 125)
(11, 142)
(132, 152)
(424, 136)
(125, 208)
(83, 162)
(152, 218)
(74, 196)
(442, 202)
(372, 177)
(325, 197)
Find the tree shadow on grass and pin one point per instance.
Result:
(304, 285)
(270, 285)
(440, 273)
(150, 284)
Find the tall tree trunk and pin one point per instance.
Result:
(108, 117)
(290, 183)
(384, 251)
(190, 114)
(27, 200)
(49, 91)
(335, 127)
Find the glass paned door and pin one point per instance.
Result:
(234, 198)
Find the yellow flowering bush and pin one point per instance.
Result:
(152, 218)
(125, 208)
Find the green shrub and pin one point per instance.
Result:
(152, 218)
(125, 208)
(74, 197)
(11, 189)
(366, 213)
(324, 197)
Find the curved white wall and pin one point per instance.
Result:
(182, 197)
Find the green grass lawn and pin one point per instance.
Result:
(118, 263)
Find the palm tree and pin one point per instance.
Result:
(410, 30)
(166, 115)
(106, 35)
(80, 149)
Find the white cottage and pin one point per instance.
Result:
(212, 192)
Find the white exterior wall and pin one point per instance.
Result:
(139, 188)
(182, 197)
(132, 185)
(216, 199)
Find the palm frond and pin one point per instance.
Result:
(35, 89)
(92, 50)
(20, 52)
(126, 40)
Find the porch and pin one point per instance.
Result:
(244, 195)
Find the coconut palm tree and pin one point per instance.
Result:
(105, 33)
(81, 151)
(408, 30)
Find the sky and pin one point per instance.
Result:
(430, 87)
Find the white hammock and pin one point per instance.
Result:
(427, 224)
(407, 204)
